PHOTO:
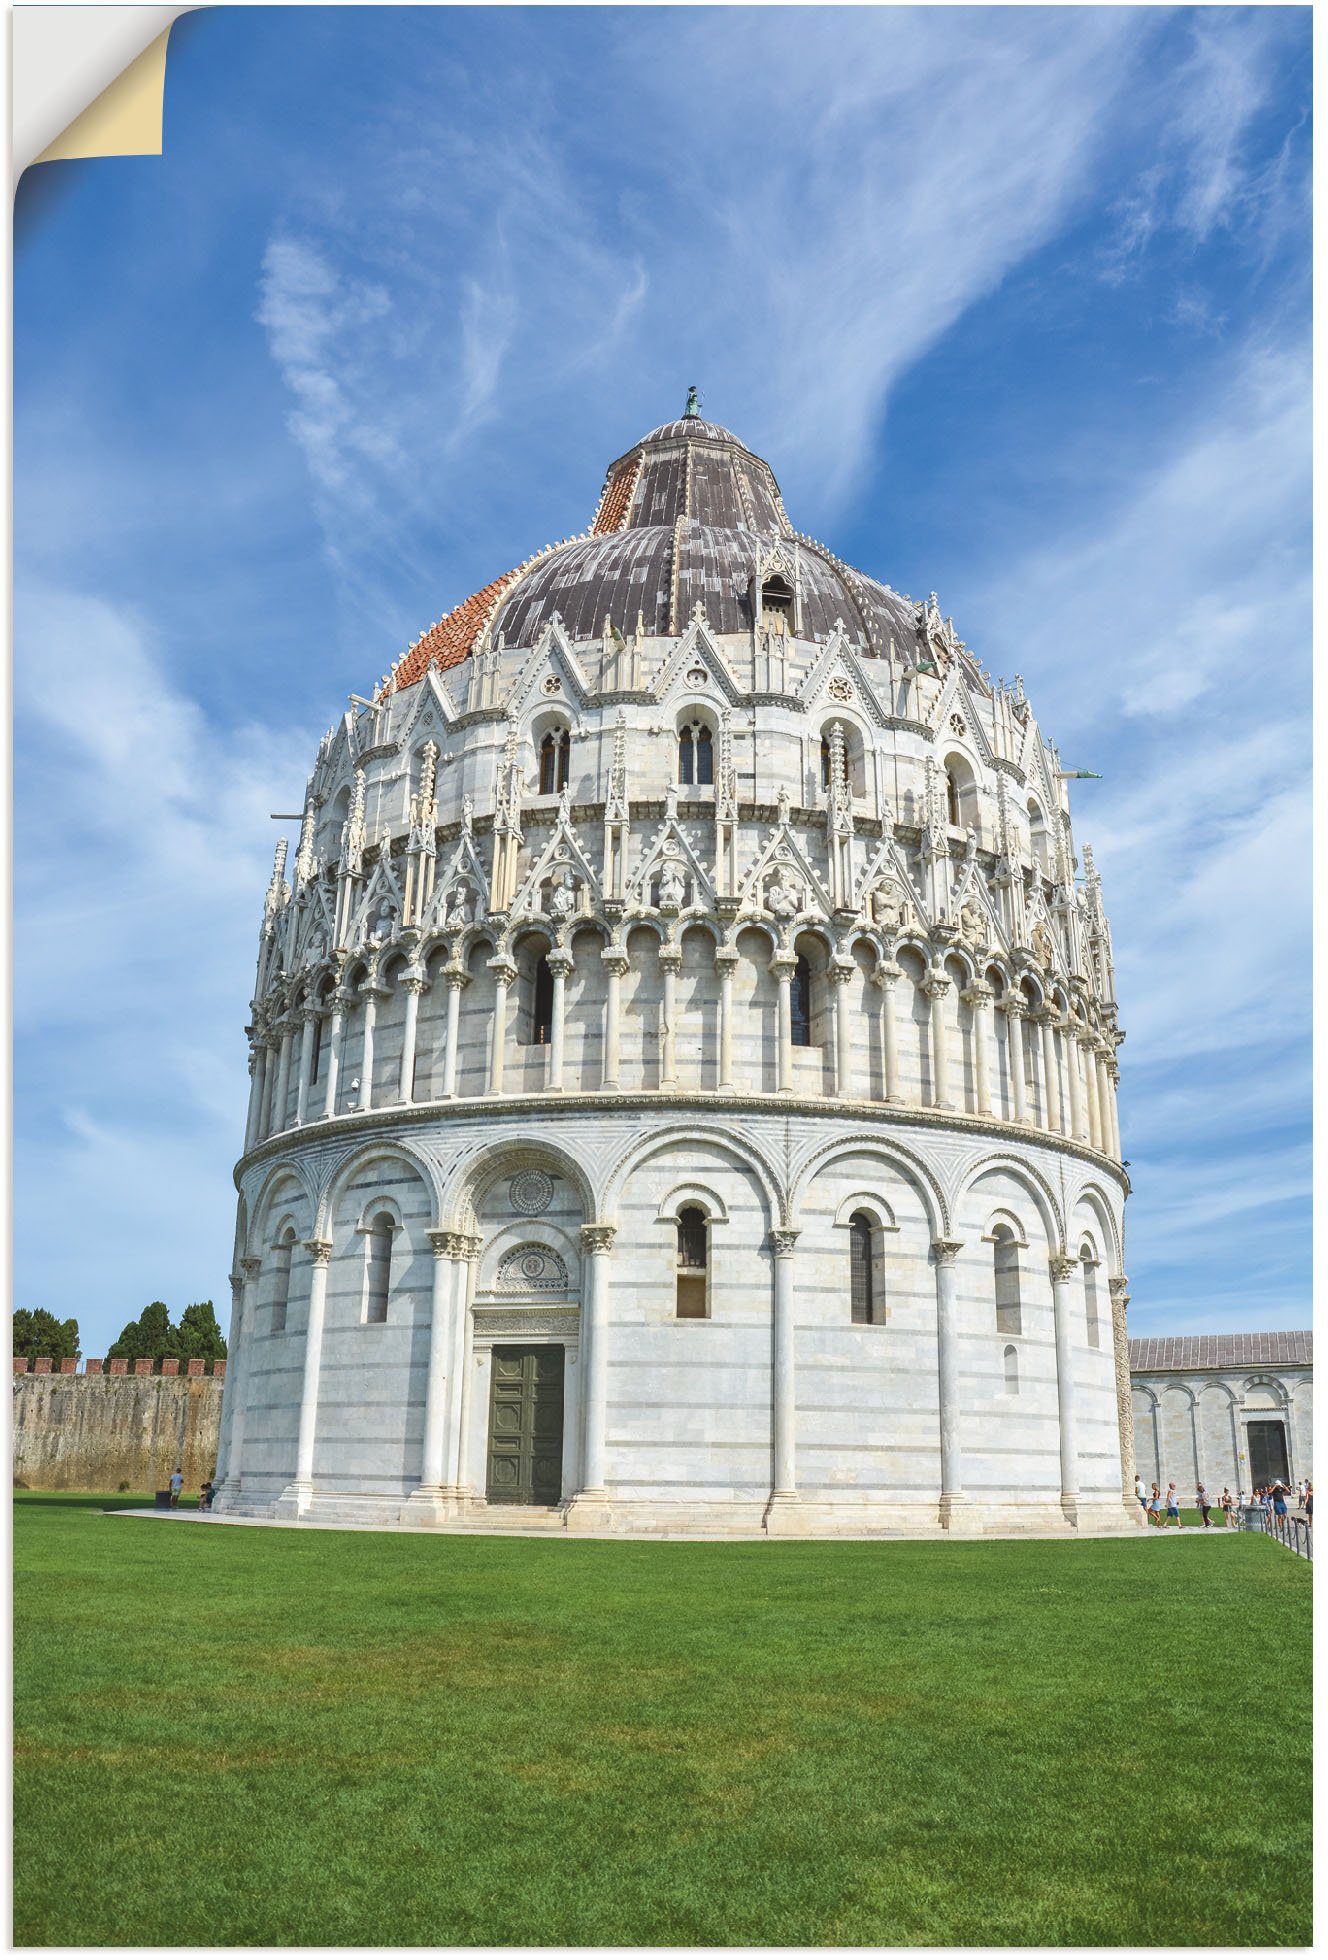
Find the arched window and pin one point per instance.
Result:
(952, 810)
(555, 753)
(1089, 1261)
(281, 1271)
(316, 1047)
(777, 605)
(861, 1277)
(378, 1261)
(696, 753)
(800, 1003)
(541, 1004)
(693, 1262)
(1005, 1261)
(1011, 1372)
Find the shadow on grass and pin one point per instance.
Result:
(79, 1500)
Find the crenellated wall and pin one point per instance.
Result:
(95, 1432)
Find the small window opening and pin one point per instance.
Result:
(696, 754)
(1090, 1296)
(693, 1262)
(1005, 1262)
(777, 606)
(316, 1048)
(541, 1015)
(555, 753)
(281, 1267)
(861, 1233)
(952, 800)
(379, 1257)
(825, 762)
(1011, 1372)
(800, 1003)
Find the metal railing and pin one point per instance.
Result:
(1294, 1533)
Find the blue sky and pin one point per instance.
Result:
(1016, 302)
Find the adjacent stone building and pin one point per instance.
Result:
(1232, 1409)
(684, 1064)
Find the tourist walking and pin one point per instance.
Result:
(1173, 1506)
(1279, 1501)
(1308, 1506)
(1142, 1496)
(1155, 1506)
(177, 1485)
(1228, 1507)
(1201, 1499)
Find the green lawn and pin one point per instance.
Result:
(234, 1737)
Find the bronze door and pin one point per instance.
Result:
(526, 1426)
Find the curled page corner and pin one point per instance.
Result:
(88, 81)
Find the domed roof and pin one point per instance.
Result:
(688, 515)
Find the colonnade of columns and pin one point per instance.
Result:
(1062, 1075)
(444, 1452)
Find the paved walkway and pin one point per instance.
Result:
(491, 1528)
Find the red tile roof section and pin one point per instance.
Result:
(448, 643)
(616, 496)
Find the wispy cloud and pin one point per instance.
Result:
(142, 840)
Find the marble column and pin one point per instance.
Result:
(463, 1374)
(725, 962)
(1070, 1049)
(257, 1092)
(841, 973)
(1090, 1093)
(1063, 1269)
(283, 1078)
(310, 1017)
(456, 978)
(782, 967)
(1013, 1011)
(1051, 1099)
(979, 998)
(886, 975)
(1104, 1102)
(615, 964)
(936, 987)
(1113, 1109)
(560, 965)
(1119, 1289)
(240, 1353)
(504, 973)
(784, 1413)
(266, 1122)
(670, 960)
(294, 1500)
(340, 1001)
(414, 985)
(448, 1265)
(371, 996)
(596, 1246)
(946, 1252)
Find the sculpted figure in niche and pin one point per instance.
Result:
(973, 922)
(672, 884)
(563, 897)
(889, 906)
(1042, 946)
(460, 905)
(384, 925)
(316, 949)
(783, 896)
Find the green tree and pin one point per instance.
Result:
(37, 1332)
(200, 1337)
(149, 1338)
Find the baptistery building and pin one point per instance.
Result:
(683, 1064)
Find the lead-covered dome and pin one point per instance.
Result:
(687, 516)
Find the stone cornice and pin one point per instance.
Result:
(734, 1106)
